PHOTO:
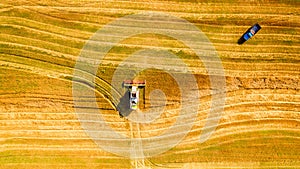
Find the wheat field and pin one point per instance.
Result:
(40, 42)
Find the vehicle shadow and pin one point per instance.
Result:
(123, 107)
(241, 40)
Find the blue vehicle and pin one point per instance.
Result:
(249, 33)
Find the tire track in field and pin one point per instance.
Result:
(102, 87)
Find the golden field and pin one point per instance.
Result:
(40, 42)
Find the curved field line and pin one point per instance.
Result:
(58, 18)
(67, 33)
(40, 42)
(51, 52)
(104, 88)
(43, 32)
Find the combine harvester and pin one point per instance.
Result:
(133, 87)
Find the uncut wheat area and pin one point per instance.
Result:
(40, 41)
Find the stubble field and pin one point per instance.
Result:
(41, 40)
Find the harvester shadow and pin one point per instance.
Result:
(123, 107)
